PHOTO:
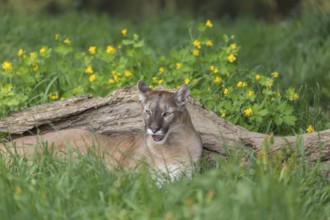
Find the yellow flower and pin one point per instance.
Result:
(196, 52)
(92, 50)
(217, 80)
(248, 112)
(241, 84)
(111, 81)
(250, 93)
(67, 41)
(225, 91)
(275, 74)
(269, 82)
(128, 73)
(214, 69)
(258, 77)
(310, 129)
(209, 24)
(233, 46)
(197, 44)
(53, 95)
(33, 55)
(43, 51)
(178, 66)
(161, 69)
(295, 96)
(231, 58)
(115, 75)
(89, 70)
(161, 81)
(209, 43)
(111, 50)
(7, 65)
(124, 32)
(92, 78)
(35, 66)
(223, 115)
(186, 81)
(20, 52)
(155, 79)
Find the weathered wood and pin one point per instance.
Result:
(119, 112)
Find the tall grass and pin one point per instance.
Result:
(50, 187)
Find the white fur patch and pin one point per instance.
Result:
(174, 171)
(149, 131)
(169, 173)
(142, 97)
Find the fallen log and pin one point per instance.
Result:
(119, 113)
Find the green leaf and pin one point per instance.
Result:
(138, 44)
(263, 112)
(225, 38)
(278, 120)
(290, 120)
(201, 27)
(63, 49)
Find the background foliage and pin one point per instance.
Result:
(265, 9)
(250, 82)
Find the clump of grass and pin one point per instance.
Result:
(83, 188)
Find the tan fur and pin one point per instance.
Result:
(181, 149)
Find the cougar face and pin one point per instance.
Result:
(162, 111)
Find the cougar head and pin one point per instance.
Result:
(163, 111)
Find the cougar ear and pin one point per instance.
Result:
(143, 88)
(181, 96)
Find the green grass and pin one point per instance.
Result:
(52, 187)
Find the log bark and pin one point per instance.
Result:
(119, 113)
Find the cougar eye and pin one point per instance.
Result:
(165, 114)
(147, 111)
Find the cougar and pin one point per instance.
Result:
(169, 145)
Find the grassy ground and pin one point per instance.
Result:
(61, 188)
(51, 187)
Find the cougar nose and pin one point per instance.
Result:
(154, 129)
